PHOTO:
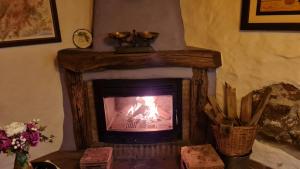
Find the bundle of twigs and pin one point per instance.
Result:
(248, 116)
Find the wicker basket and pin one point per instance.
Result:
(237, 142)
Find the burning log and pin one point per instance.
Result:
(141, 110)
(145, 107)
(163, 114)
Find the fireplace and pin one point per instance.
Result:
(191, 129)
(138, 111)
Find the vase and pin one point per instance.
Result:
(22, 161)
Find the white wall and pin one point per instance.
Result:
(30, 84)
(251, 59)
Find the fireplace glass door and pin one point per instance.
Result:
(138, 111)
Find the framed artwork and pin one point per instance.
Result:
(270, 15)
(26, 22)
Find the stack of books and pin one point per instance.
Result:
(200, 157)
(100, 158)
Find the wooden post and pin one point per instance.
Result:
(186, 109)
(77, 90)
(198, 119)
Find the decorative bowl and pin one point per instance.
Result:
(119, 35)
(148, 35)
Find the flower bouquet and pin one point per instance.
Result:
(17, 137)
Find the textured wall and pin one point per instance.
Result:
(30, 86)
(251, 59)
(143, 15)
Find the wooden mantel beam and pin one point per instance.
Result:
(79, 60)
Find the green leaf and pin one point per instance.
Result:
(42, 128)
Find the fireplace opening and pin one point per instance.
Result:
(138, 113)
(139, 110)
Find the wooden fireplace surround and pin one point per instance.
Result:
(75, 62)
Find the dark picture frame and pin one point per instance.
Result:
(246, 24)
(40, 25)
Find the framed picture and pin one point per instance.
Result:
(270, 15)
(26, 22)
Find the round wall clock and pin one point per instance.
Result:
(82, 38)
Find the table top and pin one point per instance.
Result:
(70, 160)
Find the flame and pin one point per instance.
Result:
(133, 109)
(152, 111)
(149, 112)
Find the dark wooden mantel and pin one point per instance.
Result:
(75, 62)
(86, 60)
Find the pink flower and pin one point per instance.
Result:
(5, 142)
(32, 137)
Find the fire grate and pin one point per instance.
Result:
(132, 124)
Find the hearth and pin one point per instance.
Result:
(138, 110)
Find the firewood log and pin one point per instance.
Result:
(261, 106)
(218, 111)
(231, 104)
(208, 110)
(246, 108)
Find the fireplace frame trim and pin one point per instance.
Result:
(75, 62)
(102, 88)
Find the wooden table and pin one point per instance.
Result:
(70, 160)
(63, 159)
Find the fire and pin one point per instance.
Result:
(152, 108)
(145, 108)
